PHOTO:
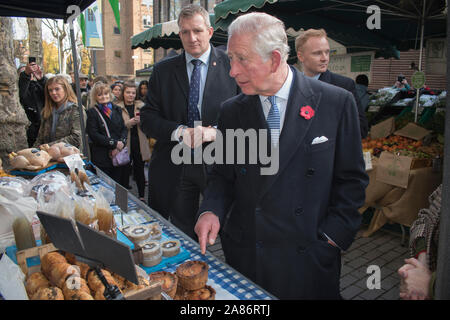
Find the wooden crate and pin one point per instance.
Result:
(152, 292)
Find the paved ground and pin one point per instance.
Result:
(382, 249)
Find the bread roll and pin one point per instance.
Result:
(49, 260)
(36, 281)
(52, 293)
(77, 291)
(59, 274)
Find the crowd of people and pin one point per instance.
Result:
(51, 106)
(284, 231)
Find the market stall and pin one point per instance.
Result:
(55, 189)
(404, 164)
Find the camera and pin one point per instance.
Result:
(401, 78)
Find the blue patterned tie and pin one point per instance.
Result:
(194, 92)
(273, 120)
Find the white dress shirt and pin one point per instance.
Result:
(282, 99)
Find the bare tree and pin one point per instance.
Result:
(12, 117)
(59, 33)
(35, 39)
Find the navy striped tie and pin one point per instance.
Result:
(194, 93)
(273, 121)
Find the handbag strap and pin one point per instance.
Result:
(104, 122)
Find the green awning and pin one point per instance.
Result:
(346, 20)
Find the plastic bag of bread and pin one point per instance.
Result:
(13, 188)
(59, 150)
(48, 184)
(84, 211)
(103, 212)
(30, 159)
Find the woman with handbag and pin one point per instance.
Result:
(107, 131)
(137, 143)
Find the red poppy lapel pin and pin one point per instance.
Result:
(307, 112)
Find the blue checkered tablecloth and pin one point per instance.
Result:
(223, 275)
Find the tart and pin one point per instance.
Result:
(151, 251)
(192, 275)
(206, 293)
(169, 282)
(170, 248)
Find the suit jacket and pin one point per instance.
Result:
(166, 109)
(101, 143)
(349, 85)
(274, 231)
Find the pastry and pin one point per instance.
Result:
(84, 269)
(83, 177)
(70, 258)
(138, 234)
(74, 178)
(78, 287)
(121, 281)
(152, 254)
(130, 286)
(94, 282)
(170, 248)
(105, 220)
(49, 260)
(169, 281)
(79, 295)
(59, 274)
(155, 231)
(36, 281)
(192, 275)
(52, 293)
(206, 293)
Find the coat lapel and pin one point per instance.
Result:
(181, 75)
(295, 126)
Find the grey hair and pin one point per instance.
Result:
(269, 33)
(191, 10)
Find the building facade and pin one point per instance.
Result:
(167, 10)
(117, 58)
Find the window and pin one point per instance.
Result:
(147, 50)
(146, 21)
(116, 30)
(117, 54)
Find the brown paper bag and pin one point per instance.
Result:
(383, 129)
(412, 131)
(393, 169)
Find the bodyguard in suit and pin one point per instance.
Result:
(313, 51)
(183, 89)
(285, 231)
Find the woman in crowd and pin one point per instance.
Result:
(102, 116)
(142, 90)
(60, 115)
(116, 89)
(137, 142)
